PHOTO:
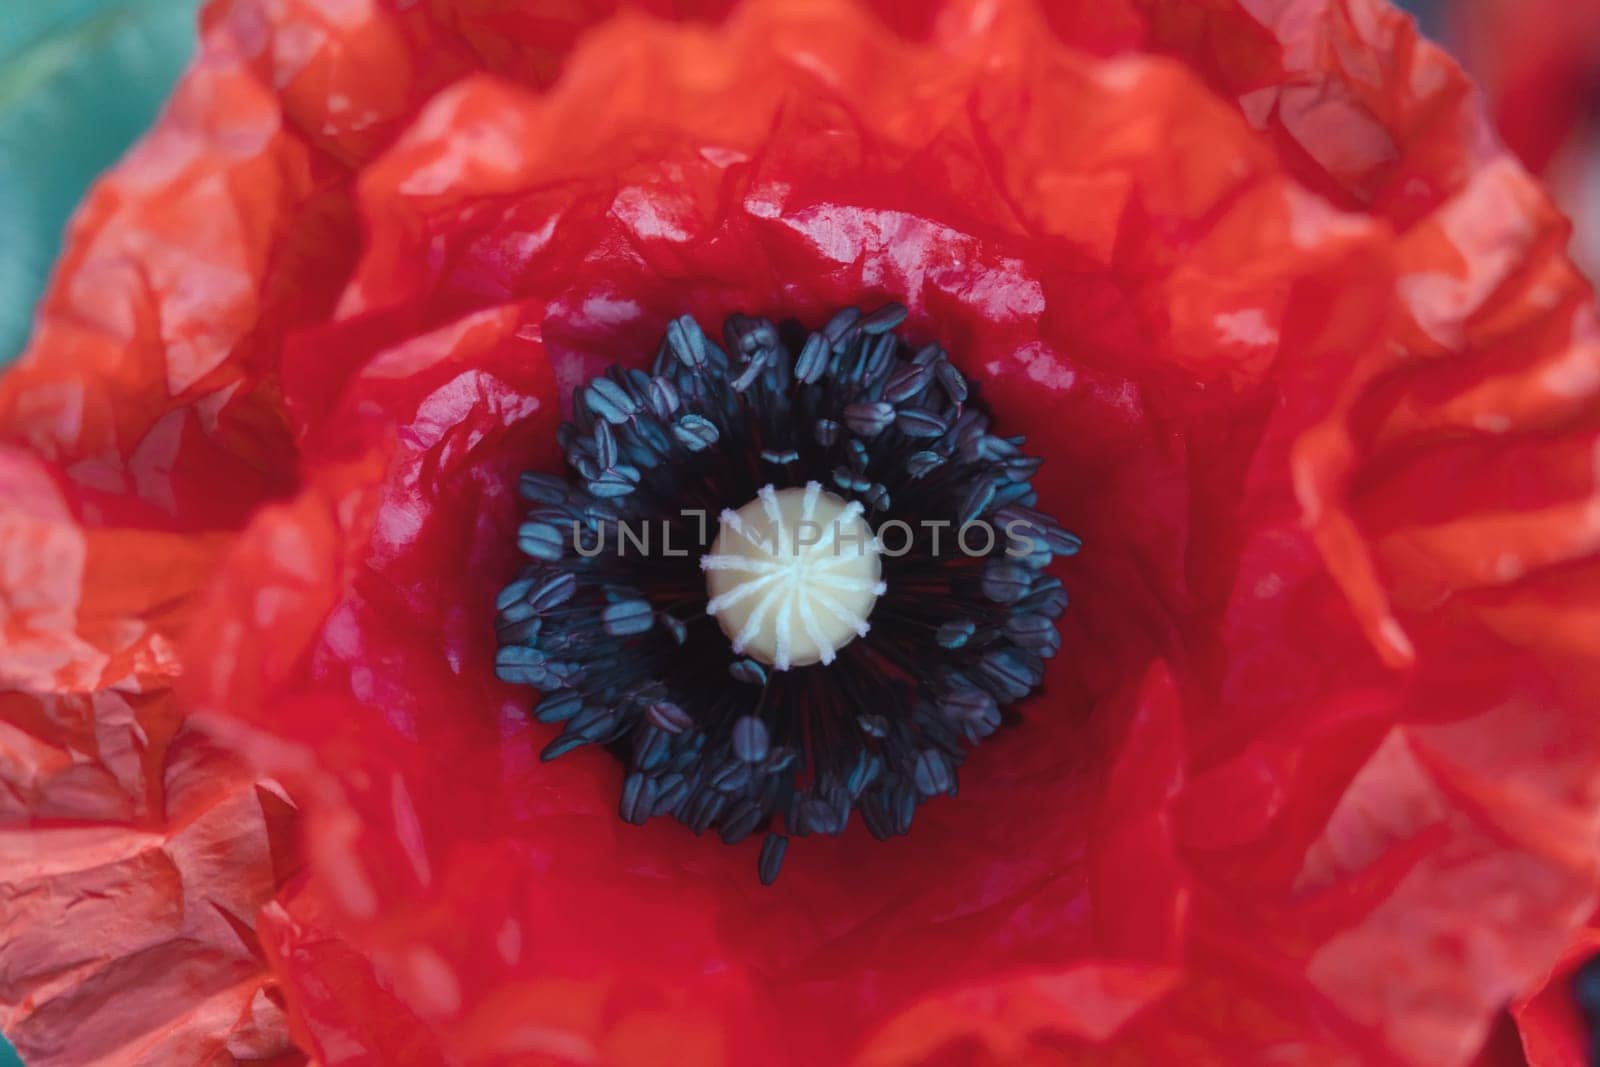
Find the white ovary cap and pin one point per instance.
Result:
(793, 576)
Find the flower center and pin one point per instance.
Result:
(738, 682)
(793, 576)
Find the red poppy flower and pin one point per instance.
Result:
(1313, 776)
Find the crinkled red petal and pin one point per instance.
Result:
(136, 853)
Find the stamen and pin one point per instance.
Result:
(795, 671)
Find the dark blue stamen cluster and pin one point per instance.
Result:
(617, 638)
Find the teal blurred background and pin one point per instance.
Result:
(79, 80)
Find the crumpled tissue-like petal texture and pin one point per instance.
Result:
(135, 853)
(1315, 777)
(138, 432)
